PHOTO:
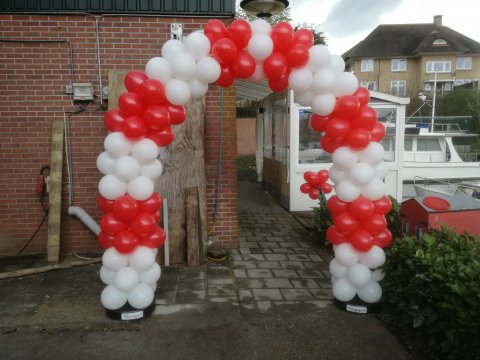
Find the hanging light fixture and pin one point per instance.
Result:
(263, 8)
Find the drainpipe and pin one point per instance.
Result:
(86, 219)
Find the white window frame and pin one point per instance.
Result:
(440, 42)
(366, 65)
(368, 85)
(397, 65)
(431, 66)
(464, 63)
(398, 84)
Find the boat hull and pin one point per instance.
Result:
(461, 170)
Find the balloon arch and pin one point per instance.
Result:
(155, 101)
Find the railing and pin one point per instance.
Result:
(470, 156)
(427, 182)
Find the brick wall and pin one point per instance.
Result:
(246, 140)
(33, 76)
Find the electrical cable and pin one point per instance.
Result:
(37, 230)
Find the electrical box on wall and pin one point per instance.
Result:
(82, 91)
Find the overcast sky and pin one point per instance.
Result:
(346, 22)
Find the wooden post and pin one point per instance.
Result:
(194, 237)
(55, 194)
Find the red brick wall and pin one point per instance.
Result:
(33, 77)
(246, 140)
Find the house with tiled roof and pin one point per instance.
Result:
(407, 59)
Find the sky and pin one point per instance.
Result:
(347, 22)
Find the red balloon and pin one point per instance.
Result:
(157, 216)
(314, 193)
(134, 127)
(336, 206)
(244, 65)
(130, 104)
(378, 132)
(162, 138)
(282, 36)
(361, 240)
(362, 208)
(157, 117)
(383, 239)
(143, 224)
(305, 188)
(363, 95)
(125, 241)
(327, 188)
(125, 208)
(114, 120)
(177, 114)
(345, 223)
(154, 240)
(335, 237)
(106, 241)
(331, 144)
(319, 122)
(366, 118)
(323, 176)
(152, 92)
(304, 37)
(338, 128)
(110, 225)
(275, 65)
(358, 139)
(375, 224)
(279, 85)
(297, 55)
(215, 30)
(311, 178)
(347, 106)
(383, 205)
(224, 51)
(226, 77)
(240, 32)
(134, 79)
(152, 204)
(104, 204)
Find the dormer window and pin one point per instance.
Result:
(440, 42)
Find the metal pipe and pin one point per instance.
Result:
(99, 66)
(85, 218)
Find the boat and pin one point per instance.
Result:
(435, 187)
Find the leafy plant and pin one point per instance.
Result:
(432, 288)
(394, 219)
(322, 218)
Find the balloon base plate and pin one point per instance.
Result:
(357, 306)
(128, 312)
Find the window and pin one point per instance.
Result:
(407, 145)
(310, 151)
(440, 42)
(439, 66)
(428, 145)
(428, 86)
(370, 85)
(447, 86)
(462, 81)
(464, 63)
(366, 65)
(399, 64)
(398, 87)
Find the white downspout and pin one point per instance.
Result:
(85, 218)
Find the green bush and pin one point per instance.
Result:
(432, 288)
(322, 218)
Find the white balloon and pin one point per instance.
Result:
(323, 81)
(337, 270)
(374, 190)
(126, 279)
(127, 168)
(346, 191)
(319, 57)
(208, 70)
(197, 88)
(140, 188)
(112, 298)
(336, 174)
(370, 293)
(184, 66)
(111, 187)
(344, 158)
(300, 79)
(372, 154)
(171, 48)
(345, 84)
(346, 254)
(153, 286)
(373, 258)
(105, 163)
(113, 260)
(361, 173)
(197, 45)
(343, 291)
(107, 276)
(358, 275)
(323, 104)
(336, 64)
(117, 144)
(378, 275)
(159, 69)
(260, 46)
(177, 92)
(141, 296)
(333, 280)
(152, 170)
(304, 98)
(260, 26)
(142, 258)
(151, 275)
(145, 151)
(380, 170)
